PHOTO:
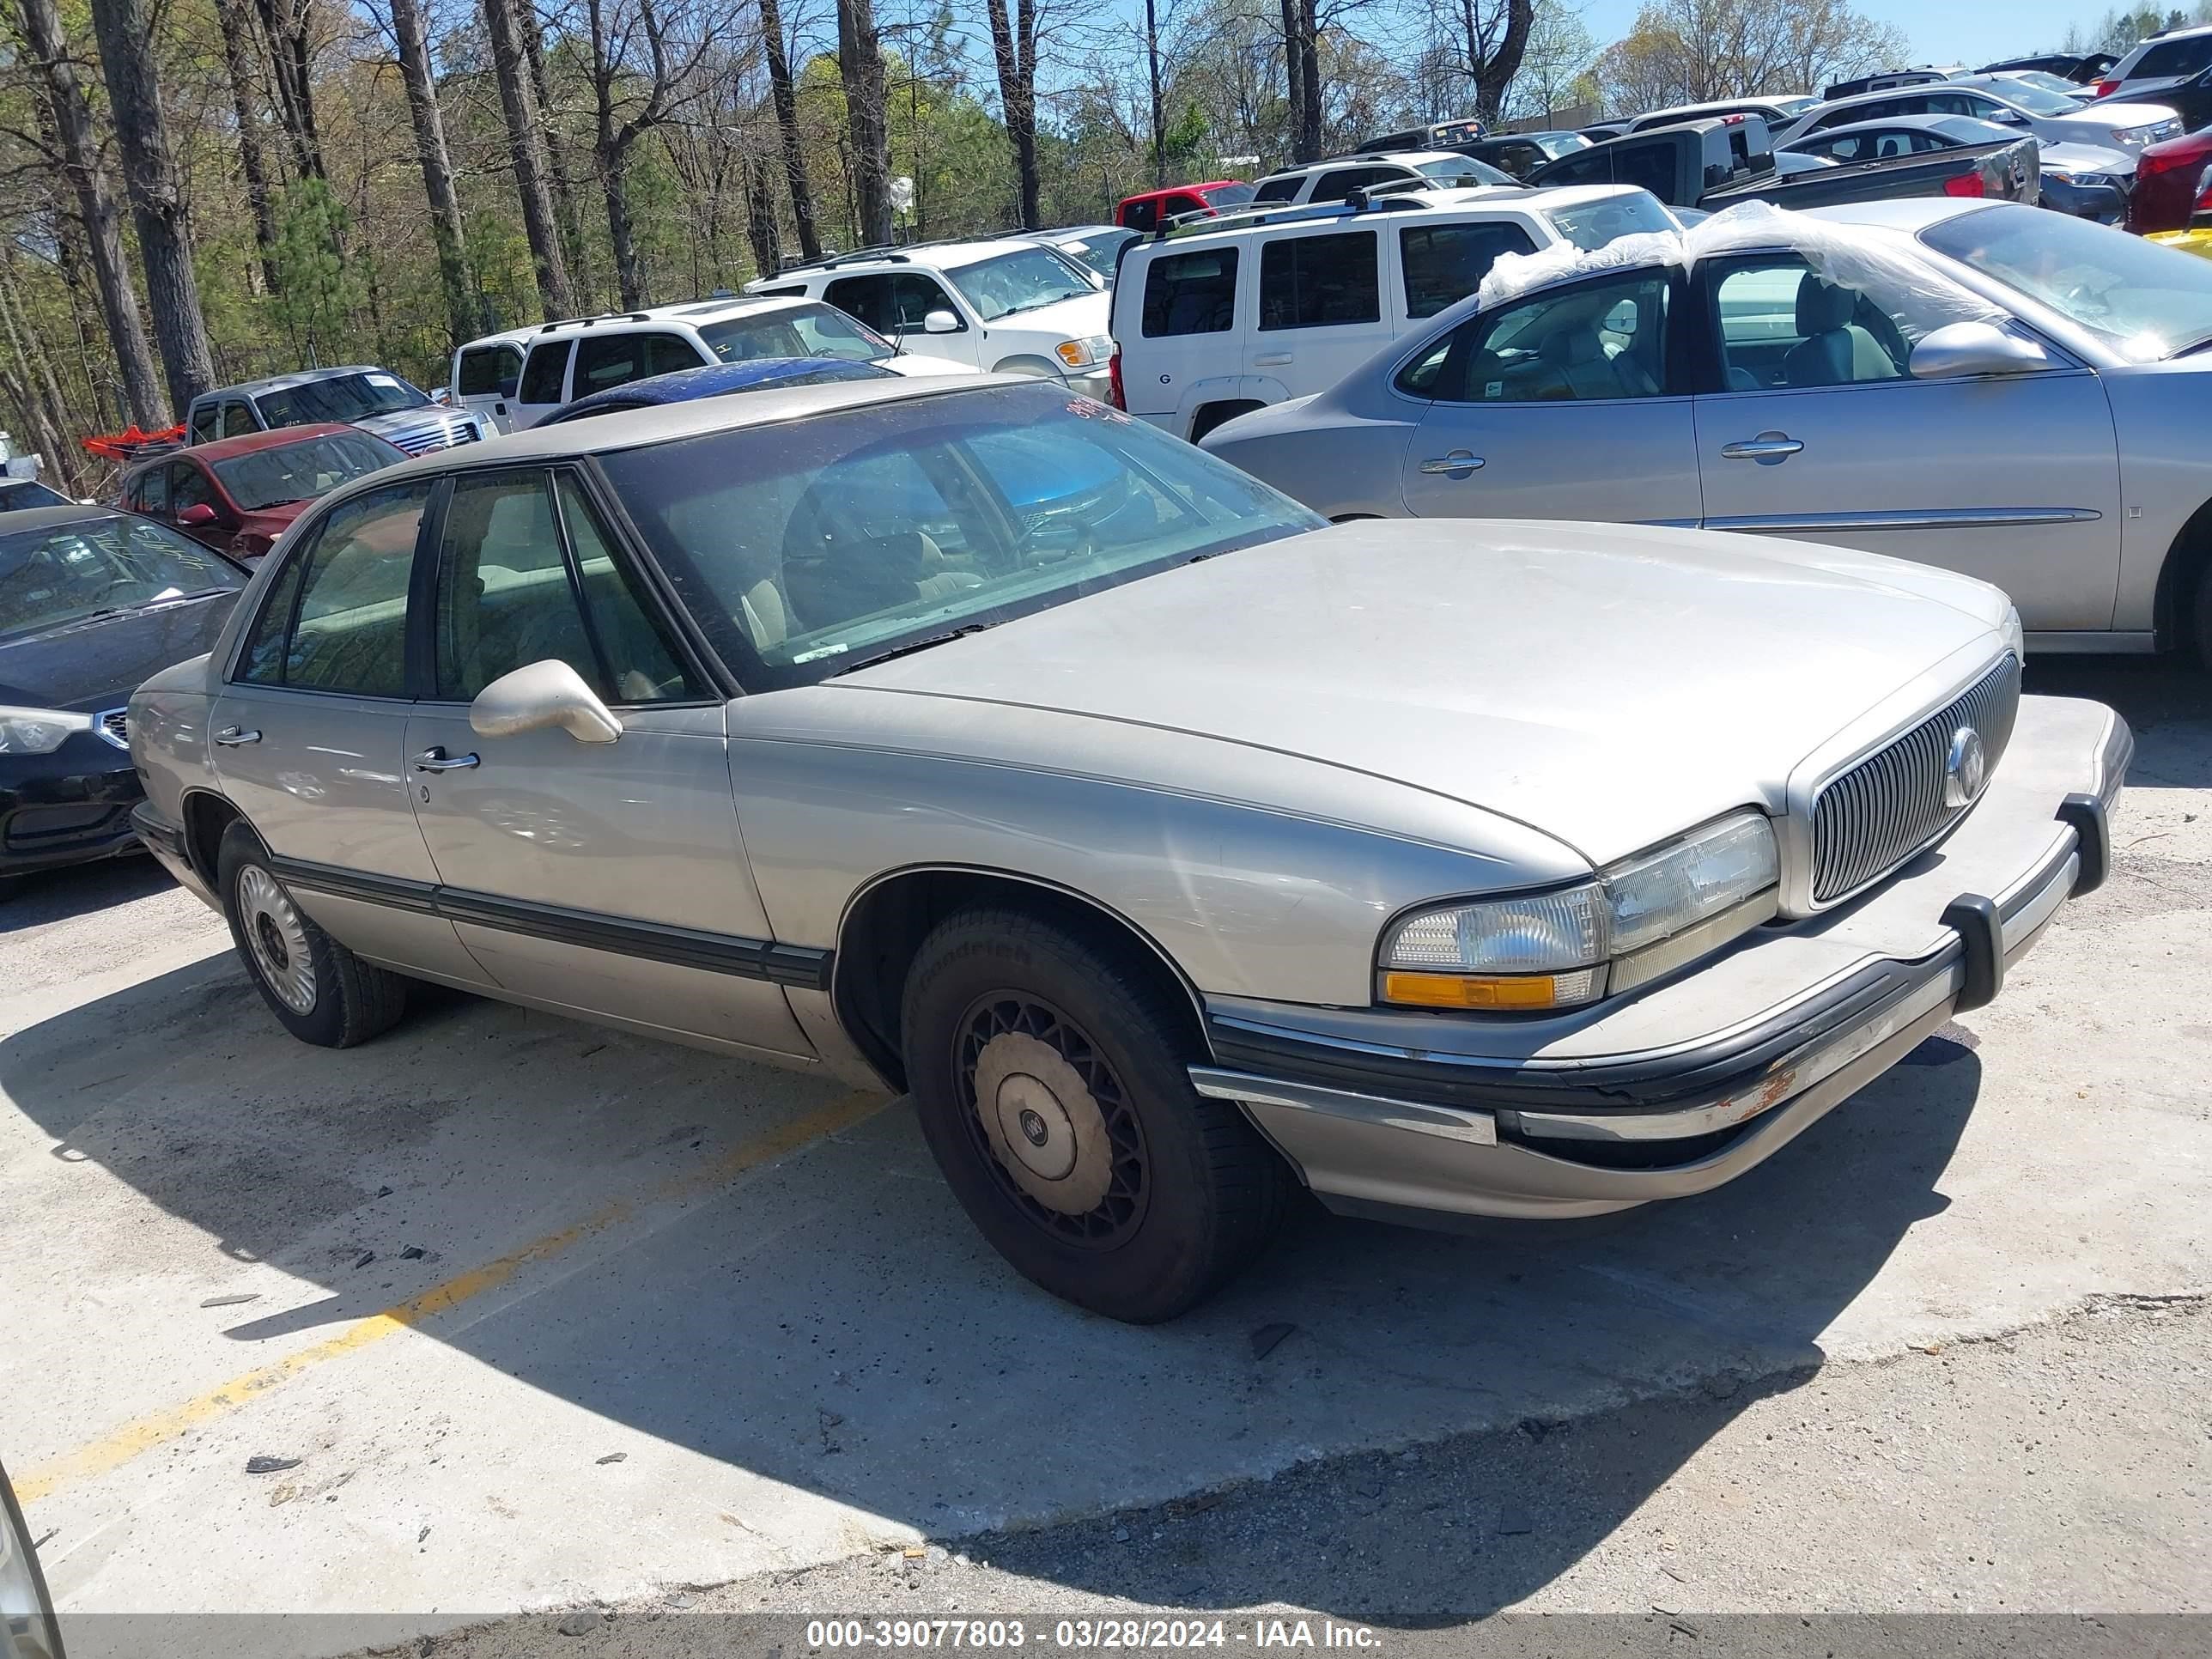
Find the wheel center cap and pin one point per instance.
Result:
(1035, 1126)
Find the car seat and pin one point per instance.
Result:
(1576, 365)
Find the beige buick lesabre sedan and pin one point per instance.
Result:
(1168, 846)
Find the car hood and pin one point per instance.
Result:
(2107, 118)
(915, 363)
(93, 665)
(1077, 318)
(1610, 685)
(2071, 157)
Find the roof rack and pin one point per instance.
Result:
(889, 252)
(1246, 218)
(602, 317)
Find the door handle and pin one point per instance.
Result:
(232, 737)
(1459, 463)
(1766, 446)
(1274, 360)
(436, 760)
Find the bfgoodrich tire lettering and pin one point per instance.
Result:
(1053, 1093)
(319, 991)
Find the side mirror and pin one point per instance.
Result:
(28, 1626)
(198, 514)
(540, 695)
(1957, 349)
(940, 321)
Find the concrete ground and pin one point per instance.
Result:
(527, 1314)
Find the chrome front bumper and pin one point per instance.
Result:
(1694, 1082)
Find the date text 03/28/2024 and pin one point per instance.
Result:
(1139, 1634)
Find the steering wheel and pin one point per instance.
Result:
(1052, 540)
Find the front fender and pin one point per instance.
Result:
(1278, 894)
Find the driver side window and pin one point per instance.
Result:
(1596, 340)
(509, 595)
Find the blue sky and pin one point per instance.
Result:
(1970, 31)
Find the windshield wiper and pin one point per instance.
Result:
(913, 645)
(2192, 350)
(1036, 304)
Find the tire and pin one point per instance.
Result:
(2200, 620)
(319, 991)
(1105, 1177)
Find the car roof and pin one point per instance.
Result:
(224, 448)
(298, 377)
(928, 256)
(696, 417)
(1725, 105)
(1915, 123)
(46, 518)
(716, 380)
(1926, 89)
(1177, 190)
(1437, 206)
(1908, 214)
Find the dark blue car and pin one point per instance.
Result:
(715, 380)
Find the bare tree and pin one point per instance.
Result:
(629, 101)
(1294, 77)
(527, 145)
(291, 50)
(785, 96)
(239, 51)
(71, 115)
(125, 29)
(761, 227)
(860, 66)
(1492, 36)
(561, 171)
(1015, 48)
(411, 37)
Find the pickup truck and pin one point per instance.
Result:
(1707, 165)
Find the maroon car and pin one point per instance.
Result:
(239, 494)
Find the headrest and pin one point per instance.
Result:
(1571, 345)
(1822, 307)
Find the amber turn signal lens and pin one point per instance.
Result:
(1473, 991)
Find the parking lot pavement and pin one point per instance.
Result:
(546, 1314)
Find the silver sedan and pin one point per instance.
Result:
(1168, 846)
(2000, 391)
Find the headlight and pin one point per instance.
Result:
(2087, 179)
(38, 731)
(1640, 918)
(1082, 354)
(2134, 137)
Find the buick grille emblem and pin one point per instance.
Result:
(1965, 769)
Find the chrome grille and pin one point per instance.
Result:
(115, 726)
(1870, 819)
(421, 440)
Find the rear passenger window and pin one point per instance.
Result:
(1335, 187)
(337, 619)
(1191, 294)
(1276, 189)
(546, 373)
(489, 372)
(613, 360)
(1601, 339)
(1444, 263)
(1319, 282)
(2190, 56)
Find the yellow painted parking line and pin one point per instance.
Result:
(119, 1446)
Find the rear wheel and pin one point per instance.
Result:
(319, 991)
(1051, 1085)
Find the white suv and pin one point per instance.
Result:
(1212, 323)
(1381, 170)
(1014, 306)
(515, 380)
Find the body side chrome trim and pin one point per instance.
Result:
(794, 965)
(1935, 518)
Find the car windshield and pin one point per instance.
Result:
(16, 493)
(1021, 281)
(806, 330)
(303, 471)
(1465, 170)
(2034, 100)
(2148, 302)
(1097, 249)
(808, 548)
(1966, 130)
(342, 398)
(1590, 225)
(2043, 81)
(66, 573)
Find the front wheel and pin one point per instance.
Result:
(319, 991)
(1054, 1095)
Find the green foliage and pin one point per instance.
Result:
(318, 289)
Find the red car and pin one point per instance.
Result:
(239, 494)
(2174, 184)
(1154, 207)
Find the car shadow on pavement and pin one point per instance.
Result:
(76, 890)
(831, 1326)
(2166, 700)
